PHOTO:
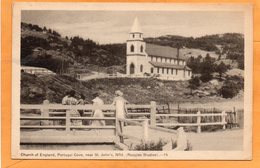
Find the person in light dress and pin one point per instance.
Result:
(71, 100)
(97, 104)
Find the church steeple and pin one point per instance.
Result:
(136, 31)
(136, 27)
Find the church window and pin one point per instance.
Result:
(142, 48)
(132, 49)
(152, 70)
(141, 68)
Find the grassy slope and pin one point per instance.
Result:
(140, 91)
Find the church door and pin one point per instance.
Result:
(132, 69)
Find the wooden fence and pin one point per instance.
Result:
(54, 116)
(150, 111)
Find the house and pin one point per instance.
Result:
(164, 62)
(36, 70)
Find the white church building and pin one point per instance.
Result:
(144, 59)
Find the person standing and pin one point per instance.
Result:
(97, 104)
(71, 100)
(120, 103)
(65, 98)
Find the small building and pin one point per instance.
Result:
(144, 59)
(36, 70)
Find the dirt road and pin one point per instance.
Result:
(227, 140)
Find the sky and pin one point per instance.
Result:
(113, 26)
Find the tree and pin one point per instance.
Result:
(194, 83)
(221, 68)
(207, 67)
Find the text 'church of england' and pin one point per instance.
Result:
(148, 59)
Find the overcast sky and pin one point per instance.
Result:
(114, 26)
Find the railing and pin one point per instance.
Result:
(179, 135)
(198, 124)
(139, 115)
(47, 110)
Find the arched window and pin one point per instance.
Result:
(152, 70)
(141, 48)
(132, 48)
(132, 68)
(141, 68)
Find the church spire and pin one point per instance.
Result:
(136, 27)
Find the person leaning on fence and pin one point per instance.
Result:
(81, 101)
(120, 103)
(65, 98)
(97, 105)
(71, 100)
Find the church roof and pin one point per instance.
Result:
(162, 51)
(168, 65)
(136, 28)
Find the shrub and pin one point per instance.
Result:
(206, 77)
(149, 146)
(230, 89)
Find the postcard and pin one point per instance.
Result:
(142, 81)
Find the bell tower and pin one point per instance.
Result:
(135, 48)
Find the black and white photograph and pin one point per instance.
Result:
(132, 81)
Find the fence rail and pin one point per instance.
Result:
(152, 112)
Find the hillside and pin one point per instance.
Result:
(46, 48)
(217, 58)
(220, 46)
(34, 89)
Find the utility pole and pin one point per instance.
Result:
(62, 65)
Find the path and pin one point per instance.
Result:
(221, 140)
(215, 141)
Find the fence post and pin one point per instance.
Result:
(235, 117)
(223, 119)
(45, 113)
(198, 122)
(168, 104)
(68, 123)
(145, 129)
(153, 114)
(181, 140)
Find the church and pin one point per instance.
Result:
(144, 59)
